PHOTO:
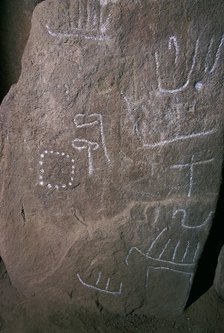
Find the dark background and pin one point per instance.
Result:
(15, 21)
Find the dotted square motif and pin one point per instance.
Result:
(42, 177)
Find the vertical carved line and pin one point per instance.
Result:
(206, 69)
(88, 19)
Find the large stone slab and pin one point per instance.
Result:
(112, 152)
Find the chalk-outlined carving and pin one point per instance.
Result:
(185, 267)
(137, 109)
(86, 121)
(184, 224)
(209, 67)
(42, 172)
(188, 78)
(95, 119)
(190, 166)
(81, 144)
(180, 254)
(161, 238)
(173, 42)
(155, 240)
(103, 290)
(89, 21)
(196, 252)
(180, 138)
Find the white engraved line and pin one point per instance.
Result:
(196, 252)
(155, 259)
(191, 167)
(103, 23)
(206, 69)
(99, 277)
(95, 19)
(103, 137)
(90, 146)
(185, 85)
(165, 247)
(186, 251)
(128, 103)
(217, 56)
(84, 125)
(90, 158)
(88, 14)
(183, 211)
(171, 269)
(155, 240)
(147, 278)
(201, 225)
(79, 15)
(157, 211)
(179, 138)
(191, 178)
(99, 289)
(184, 218)
(68, 35)
(93, 123)
(108, 283)
(175, 250)
(187, 165)
(173, 41)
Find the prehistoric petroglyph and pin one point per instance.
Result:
(184, 219)
(189, 246)
(173, 42)
(92, 120)
(155, 240)
(185, 267)
(209, 67)
(185, 85)
(87, 121)
(81, 144)
(177, 254)
(190, 167)
(88, 20)
(103, 290)
(180, 138)
(138, 111)
(49, 154)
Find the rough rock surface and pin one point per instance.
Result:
(111, 152)
(219, 275)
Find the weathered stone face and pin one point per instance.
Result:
(112, 152)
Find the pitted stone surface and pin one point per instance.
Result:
(112, 152)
